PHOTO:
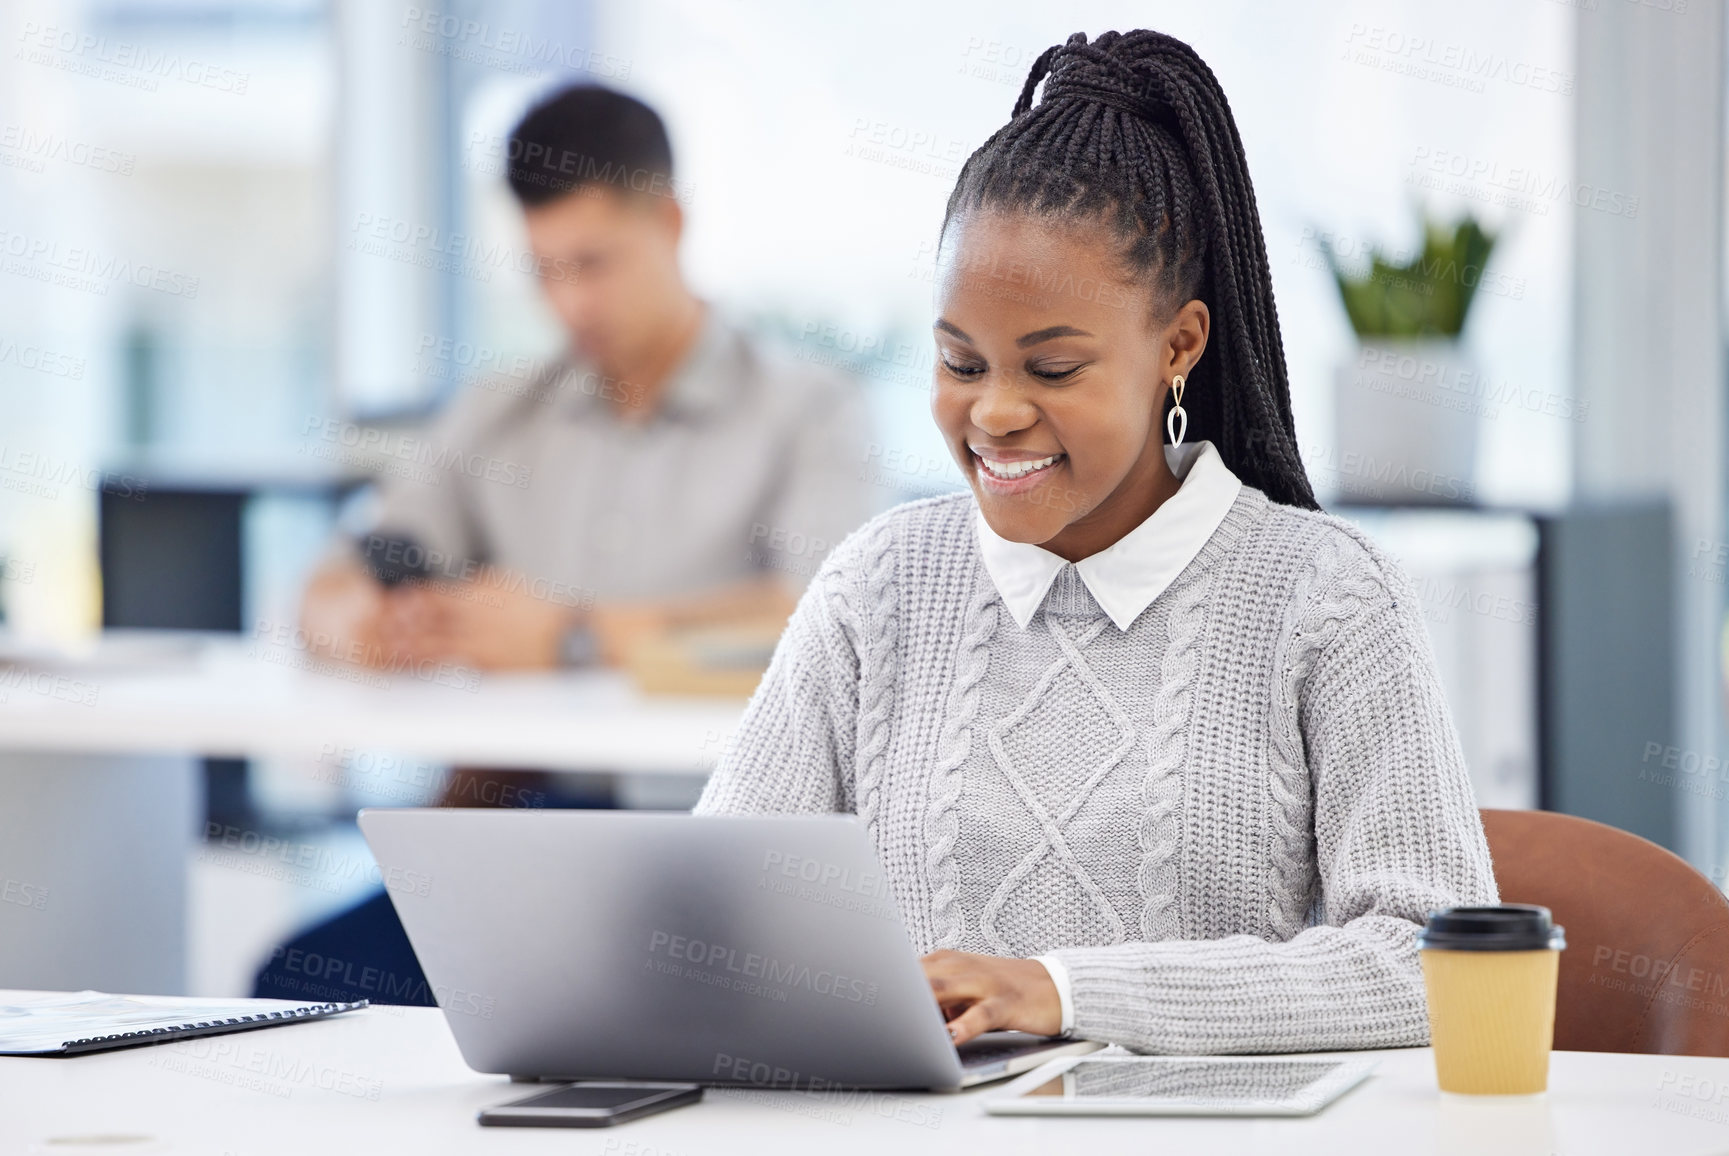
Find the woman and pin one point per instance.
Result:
(1151, 750)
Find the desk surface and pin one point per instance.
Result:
(390, 1080)
(218, 695)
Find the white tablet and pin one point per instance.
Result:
(1129, 1085)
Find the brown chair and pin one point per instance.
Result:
(1647, 962)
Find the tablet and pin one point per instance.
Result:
(1130, 1085)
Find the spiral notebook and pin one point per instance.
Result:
(66, 1023)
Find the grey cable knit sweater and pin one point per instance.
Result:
(1227, 821)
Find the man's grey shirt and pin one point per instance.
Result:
(750, 462)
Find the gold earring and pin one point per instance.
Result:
(1177, 421)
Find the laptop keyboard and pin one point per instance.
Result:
(981, 1052)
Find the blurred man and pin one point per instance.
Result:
(666, 471)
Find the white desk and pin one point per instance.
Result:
(389, 1080)
(246, 697)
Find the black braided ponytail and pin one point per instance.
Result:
(1133, 129)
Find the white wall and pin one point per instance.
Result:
(771, 105)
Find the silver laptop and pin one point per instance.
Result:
(763, 951)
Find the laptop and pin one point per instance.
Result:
(758, 951)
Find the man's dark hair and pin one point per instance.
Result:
(1133, 130)
(587, 135)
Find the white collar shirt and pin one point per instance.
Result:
(1124, 578)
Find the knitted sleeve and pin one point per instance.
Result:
(1393, 833)
(793, 750)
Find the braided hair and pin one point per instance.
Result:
(1134, 130)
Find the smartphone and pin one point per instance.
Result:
(590, 1104)
(393, 559)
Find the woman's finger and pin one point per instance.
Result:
(981, 1017)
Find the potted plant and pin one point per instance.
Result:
(1406, 406)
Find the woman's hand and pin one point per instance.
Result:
(984, 993)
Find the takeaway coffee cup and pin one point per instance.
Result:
(1490, 976)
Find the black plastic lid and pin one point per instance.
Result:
(1510, 927)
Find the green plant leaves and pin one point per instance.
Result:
(1428, 295)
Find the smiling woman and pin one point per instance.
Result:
(1056, 424)
(1152, 751)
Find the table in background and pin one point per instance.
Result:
(176, 694)
(99, 790)
(391, 1080)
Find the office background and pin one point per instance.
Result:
(238, 239)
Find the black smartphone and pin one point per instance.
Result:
(590, 1104)
(393, 559)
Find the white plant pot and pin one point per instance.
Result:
(1405, 416)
